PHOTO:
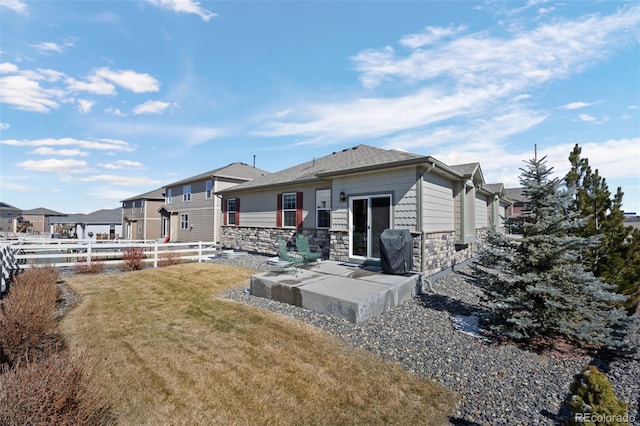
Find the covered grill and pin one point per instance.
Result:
(396, 251)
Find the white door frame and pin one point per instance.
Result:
(369, 221)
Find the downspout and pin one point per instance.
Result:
(216, 223)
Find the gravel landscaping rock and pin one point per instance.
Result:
(498, 384)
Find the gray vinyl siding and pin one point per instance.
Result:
(200, 225)
(438, 204)
(400, 183)
(152, 219)
(457, 202)
(481, 211)
(259, 208)
(205, 214)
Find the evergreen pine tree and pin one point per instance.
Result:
(617, 258)
(538, 285)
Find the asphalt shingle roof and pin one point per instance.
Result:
(42, 211)
(156, 194)
(515, 194)
(234, 170)
(103, 216)
(350, 159)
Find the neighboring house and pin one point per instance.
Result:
(518, 200)
(141, 219)
(344, 201)
(498, 213)
(40, 219)
(8, 214)
(191, 211)
(105, 224)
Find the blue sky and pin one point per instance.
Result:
(100, 101)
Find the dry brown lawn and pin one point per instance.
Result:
(168, 350)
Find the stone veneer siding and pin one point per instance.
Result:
(265, 240)
(440, 250)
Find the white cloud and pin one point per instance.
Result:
(26, 94)
(4, 126)
(84, 106)
(48, 47)
(16, 187)
(478, 134)
(93, 84)
(578, 105)
(6, 68)
(115, 111)
(430, 36)
(99, 144)
(184, 6)
(102, 80)
(122, 180)
(43, 150)
(527, 58)
(151, 107)
(586, 117)
(112, 195)
(466, 78)
(15, 5)
(284, 113)
(129, 79)
(633, 107)
(121, 164)
(190, 135)
(54, 165)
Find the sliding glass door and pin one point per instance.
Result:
(368, 217)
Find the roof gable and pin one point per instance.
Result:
(239, 171)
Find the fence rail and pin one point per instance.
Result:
(60, 252)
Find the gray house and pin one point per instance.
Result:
(141, 219)
(191, 211)
(8, 215)
(343, 202)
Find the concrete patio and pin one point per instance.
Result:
(354, 292)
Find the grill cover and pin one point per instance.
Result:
(396, 251)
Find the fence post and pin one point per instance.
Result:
(89, 253)
(199, 251)
(155, 254)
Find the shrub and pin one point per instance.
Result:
(168, 258)
(133, 259)
(27, 315)
(55, 390)
(593, 401)
(96, 267)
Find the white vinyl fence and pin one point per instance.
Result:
(62, 252)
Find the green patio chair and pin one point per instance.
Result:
(302, 247)
(289, 259)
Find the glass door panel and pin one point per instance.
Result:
(380, 220)
(360, 226)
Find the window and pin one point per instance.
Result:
(323, 208)
(289, 210)
(142, 205)
(184, 221)
(186, 193)
(231, 211)
(208, 190)
(169, 196)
